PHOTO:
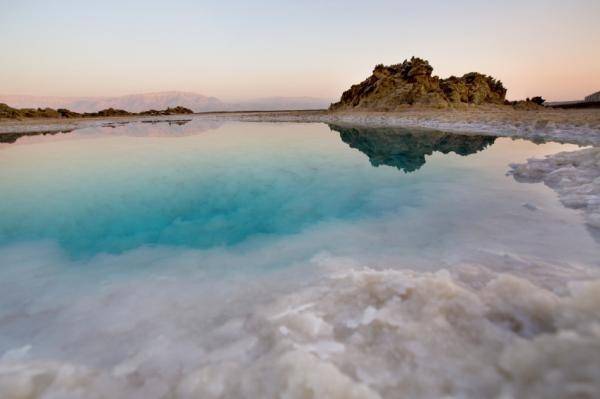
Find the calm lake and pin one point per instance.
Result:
(139, 252)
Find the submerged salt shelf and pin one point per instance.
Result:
(289, 260)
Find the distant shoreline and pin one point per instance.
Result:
(575, 105)
(579, 126)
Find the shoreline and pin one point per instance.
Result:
(579, 170)
(573, 175)
(580, 127)
(572, 126)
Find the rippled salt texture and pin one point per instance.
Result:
(289, 260)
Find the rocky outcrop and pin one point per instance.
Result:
(7, 112)
(412, 83)
(405, 149)
(473, 88)
(109, 112)
(526, 105)
(168, 111)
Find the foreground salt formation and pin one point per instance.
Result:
(578, 127)
(574, 175)
(361, 333)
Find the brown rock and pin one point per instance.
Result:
(526, 105)
(411, 83)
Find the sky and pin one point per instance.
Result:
(237, 50)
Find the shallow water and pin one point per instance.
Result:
(144, 259)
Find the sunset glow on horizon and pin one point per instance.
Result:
(233, 50)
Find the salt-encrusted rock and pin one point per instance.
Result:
(574, 175)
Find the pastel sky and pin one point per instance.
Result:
(243, 49)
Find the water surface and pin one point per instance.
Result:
(142, 241)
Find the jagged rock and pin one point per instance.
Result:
(539, 100)
(66, 113)
(411, 83)
(8, 112)
(169, 111)
(526, 105)
(455, 89)
(39, 113)
(179, 111)
(14, 113)
(109, 112)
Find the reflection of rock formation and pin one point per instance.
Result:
(132, 128)
(178, 122)
(160, 127)
(405, 148)
(170, 122)
(13, 137)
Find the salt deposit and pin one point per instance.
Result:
(570, 127)
(574, 175)
(468, 332)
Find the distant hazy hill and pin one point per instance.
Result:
(132, 103)
(162, 100)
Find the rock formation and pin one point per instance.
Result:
(526, 105)
(7, 112)
(405, 149)
(412, 83)
(169, 111)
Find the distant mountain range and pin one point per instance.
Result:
(163, 100)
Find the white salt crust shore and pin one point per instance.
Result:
(583, 129)
(67, 125)
(574, 175)
(577, 127)
(361, 333)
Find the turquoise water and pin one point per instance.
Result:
(96, 194)
(221, 188)
(148, 242)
